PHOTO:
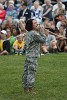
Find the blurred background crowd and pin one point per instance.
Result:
(51, 16)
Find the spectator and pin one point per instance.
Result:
(2, 13)
(61, 41)
(47, 23)
(11, 39)
(2, 2)
(15, 31)
(11, 12)
(58, 8)
(16, 8)
(6, 43)
(21, 26)
(24, 13)
(47, 10)
(7, 2)
(1, 42)
(18, 4)
(18, 45)
(50, 45)
(65, 3)
(38, 12)
(29, 4)
(7, 23)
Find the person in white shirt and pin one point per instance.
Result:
(38, 12)
(65, 3)
(57, 8)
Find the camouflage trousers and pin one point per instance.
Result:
(30, 68)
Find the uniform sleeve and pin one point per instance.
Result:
(26, 41)
(39, 37)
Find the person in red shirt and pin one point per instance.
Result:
(2, 13)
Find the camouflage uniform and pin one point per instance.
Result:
(32, 47)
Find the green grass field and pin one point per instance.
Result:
(51, 78)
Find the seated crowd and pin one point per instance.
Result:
(51, 18)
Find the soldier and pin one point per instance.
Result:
(32, 40)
